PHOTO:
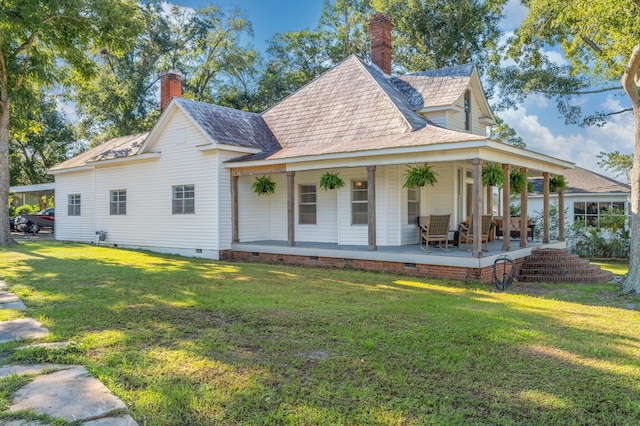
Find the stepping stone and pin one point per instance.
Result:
(48, 345)
(25, 328)
(19, 369)
(71, 394)
(125, 420)
(3, 286)
(19, 306)
(8, 297)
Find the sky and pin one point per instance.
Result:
(536, 120)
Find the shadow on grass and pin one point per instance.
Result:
(196, 341)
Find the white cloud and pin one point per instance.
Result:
(575, 145)
(515, 13)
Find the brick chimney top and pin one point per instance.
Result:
(170, 86)
(380, 27)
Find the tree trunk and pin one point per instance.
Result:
(632, 282)
(5, 231)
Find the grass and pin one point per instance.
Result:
(188, 341)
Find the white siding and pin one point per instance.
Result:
(438, 118)
(75, 228)
(349, 234)
(325, 229)
(254, 223)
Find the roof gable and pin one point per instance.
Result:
(582, 181)
(350, 102)
(123, 146)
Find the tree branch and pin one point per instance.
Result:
(630, 73)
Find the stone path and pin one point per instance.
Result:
(65, 392)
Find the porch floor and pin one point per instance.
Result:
(413, 253)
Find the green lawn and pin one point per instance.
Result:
(186, 341)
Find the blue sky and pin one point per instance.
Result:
(536, 120)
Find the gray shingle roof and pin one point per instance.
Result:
(582, 181)
(434, 88)
(230, 126)
(346, 104)
(124, 146)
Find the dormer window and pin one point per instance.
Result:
(467, 110)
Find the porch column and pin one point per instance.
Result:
(524, 216)
(235, 236)
(560, 215)
(545, 198)
(476, 208)
(291, 209)
(371, 202)
(489, 199)
(506, 209)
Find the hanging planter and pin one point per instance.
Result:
(556, 183)
(492, 175)
(420, 176)
(264, 185)
(331, 180)
(518, 182)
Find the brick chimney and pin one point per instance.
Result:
(170, 86)
(380, 27)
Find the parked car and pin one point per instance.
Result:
(34, 222)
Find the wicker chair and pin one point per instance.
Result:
(435, 228)
(466, 232)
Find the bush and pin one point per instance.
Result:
(610, 239)
(27, 209)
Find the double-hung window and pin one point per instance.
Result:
(73, 205)
(359, 202)
(118, 202)
(307, 205)
(184, 197)
(413, 205)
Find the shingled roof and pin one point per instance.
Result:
(124, 146)
(434, 88)
(230, 126)
(351, 102)
(582, 181)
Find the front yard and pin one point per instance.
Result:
(188, 341)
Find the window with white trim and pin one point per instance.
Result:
(359, 202)
(73, 205)
(467, 110)
(118, 202)
(307, 200)
(184, 198)
(413, 205)
(591, 211)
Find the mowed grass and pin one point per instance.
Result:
(187, 341)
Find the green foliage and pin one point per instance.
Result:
(502, 132)
(331, 180)
(556, 183)
(609, 239)
(538, 220)
(27, 209)
(420, 176)
(492, 175)
(619, 164)
(518, 180)
(264, 185)
(515, 209)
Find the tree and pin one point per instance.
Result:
(41, 43)
(504, 133)
(39, 139)
(618, 163)
(600, 40)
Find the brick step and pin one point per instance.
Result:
(569, 257)
(581, 263)
(600, 277)
(548, 251)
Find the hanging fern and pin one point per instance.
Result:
(264, 185)
(420, 176)
(331, 180)
(492, 175)
(557, 183)
(518, 180)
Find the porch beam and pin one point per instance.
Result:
(371, 203)
(291, 209)
(235, 235)
(258, 170)
(506, 209)
(524, 216)
(545, 198)
(476, 208)
(560, 215)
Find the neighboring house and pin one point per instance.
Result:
(186, 186)
(587, 197)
